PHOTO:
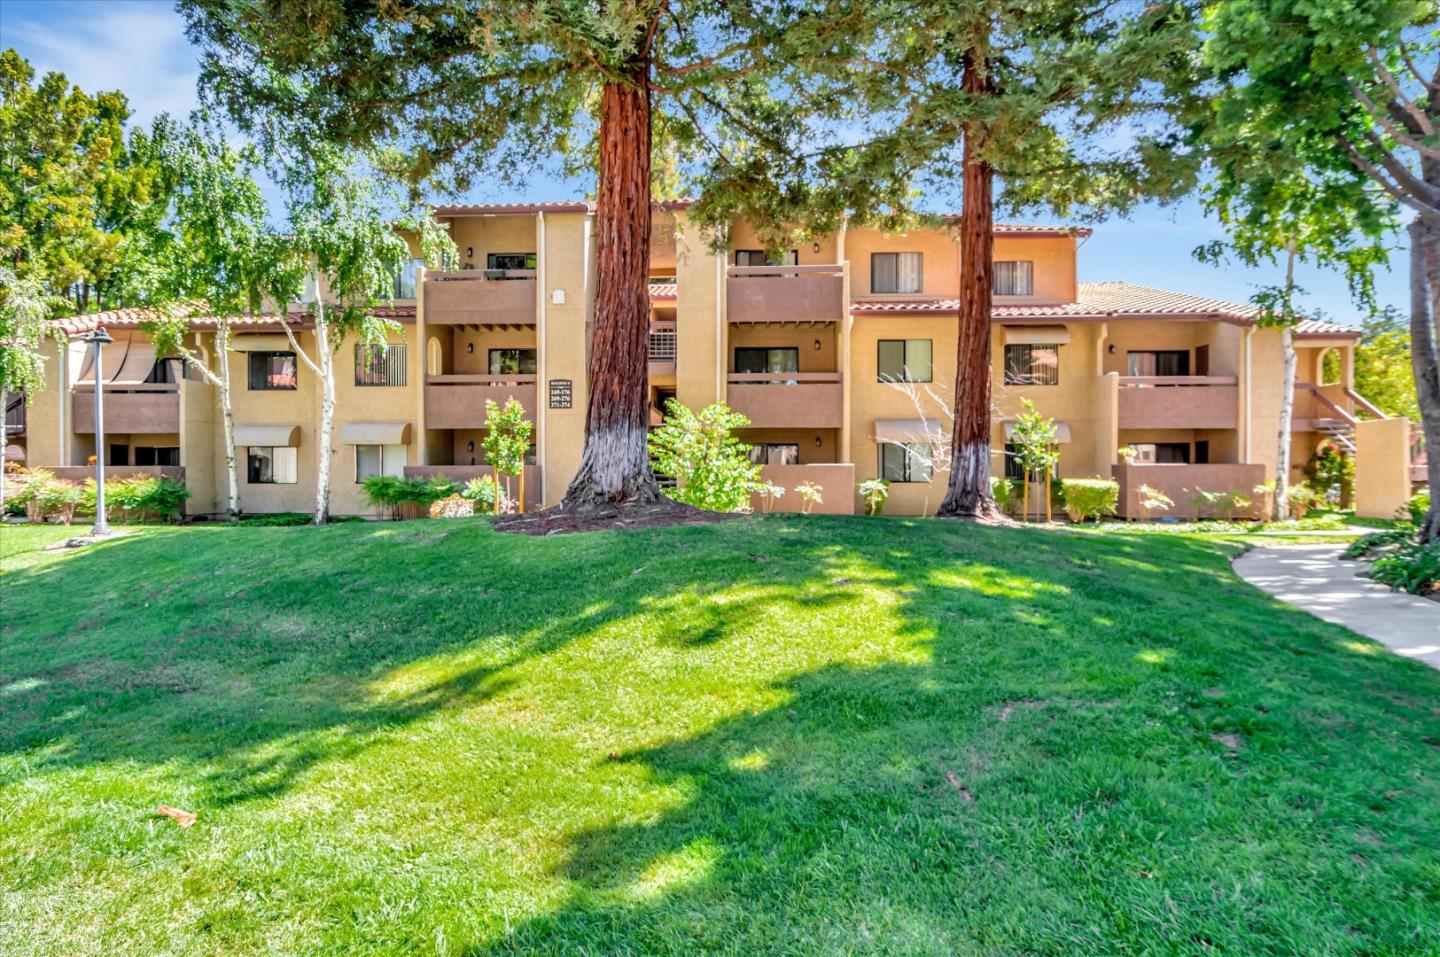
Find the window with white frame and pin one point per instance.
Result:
(895, 272)
(379, 460)
(1014, 278)
(900, 462)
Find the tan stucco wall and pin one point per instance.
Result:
(699, 330)
(568, 265)
(803, 338)
(1382, 467)
(482, 235)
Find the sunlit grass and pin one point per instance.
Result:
(769, 736)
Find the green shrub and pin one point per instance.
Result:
(1300, 499)
(1003, 491)
(141, 498)
(1411, 567)
(711, 467)
(1419, 506)
(406, 497)
(1091, 498)
(1367, 545)
(60, 499)
(874, 491)
(276, 520)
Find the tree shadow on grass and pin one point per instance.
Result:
(1069, 767)
(1018, 742)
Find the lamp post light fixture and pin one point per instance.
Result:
(99, 338)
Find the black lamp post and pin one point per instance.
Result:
(99, 338)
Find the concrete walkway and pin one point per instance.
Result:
(1314, 578)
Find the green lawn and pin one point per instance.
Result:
(769, 736)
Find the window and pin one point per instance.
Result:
(757, 360)
(510, 261)
(271, 465)
(775, 453)
(434, 357)
(1162, 362)
(404, 286)
(904, 463)
(1012, 465)
(165, 371)
(158, 455)
(904, 360)
(1165, 453)
(1032, 365)
(1014, 278)
(379, 364)
(894, 272)
(757, 257)
(272, 370)
(119, 455)
(379, 460)
(512, 361)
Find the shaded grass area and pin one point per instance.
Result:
(777, 735)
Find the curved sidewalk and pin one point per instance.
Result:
(1314, 578)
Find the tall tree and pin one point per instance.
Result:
(1383, 371)
(79, 207)
(23, 310)
(337, 229)
(1063, 105)
(1355, 87)
(215, 254)
(476, 87)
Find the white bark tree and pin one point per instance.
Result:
(23, 309)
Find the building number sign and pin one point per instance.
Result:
(561, 393)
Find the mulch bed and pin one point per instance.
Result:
(625, 517)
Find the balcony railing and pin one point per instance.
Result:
(1179, 402)
(458, 401)
(474, 297)
(803, 400)
(15, 416)
(662, 349)
(129, 408)
(785, 293)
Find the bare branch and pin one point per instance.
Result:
(1382, 117)
(1371, 170)
(294, 344)
(1426, 126)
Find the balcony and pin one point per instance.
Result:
(493, 297)
(778, 400)
(130, 408)
(662, 349)
(458, 401)
(785, 293)
(1179, 402)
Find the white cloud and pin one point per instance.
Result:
(138, 48)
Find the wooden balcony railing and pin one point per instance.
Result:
(785, 293)
(806, 400)
(1179, 402)
(458, 401)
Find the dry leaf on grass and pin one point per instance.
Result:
(182, 818)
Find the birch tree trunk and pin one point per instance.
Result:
(227, 421)
(1280, 508)
(1424, 292)
(615, 464)
(968, 494)
(4, 436)
(326, 360)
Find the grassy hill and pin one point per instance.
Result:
(770, 736)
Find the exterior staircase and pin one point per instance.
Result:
(1341, 432)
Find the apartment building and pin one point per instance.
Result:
(842, 356)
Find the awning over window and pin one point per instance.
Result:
(261, 342)
(1036, 335)
(1062, 431)
(908, 431)
(375, 433)
(113, 359)
(139, 363)
(278, 435)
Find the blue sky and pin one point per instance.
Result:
(140, 48)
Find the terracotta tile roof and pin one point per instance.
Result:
(132, 318)
(549, 206)
(662, 290)
(1318, 327)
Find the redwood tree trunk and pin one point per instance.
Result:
(615, 464)
(968, 494)
(1424, 291)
